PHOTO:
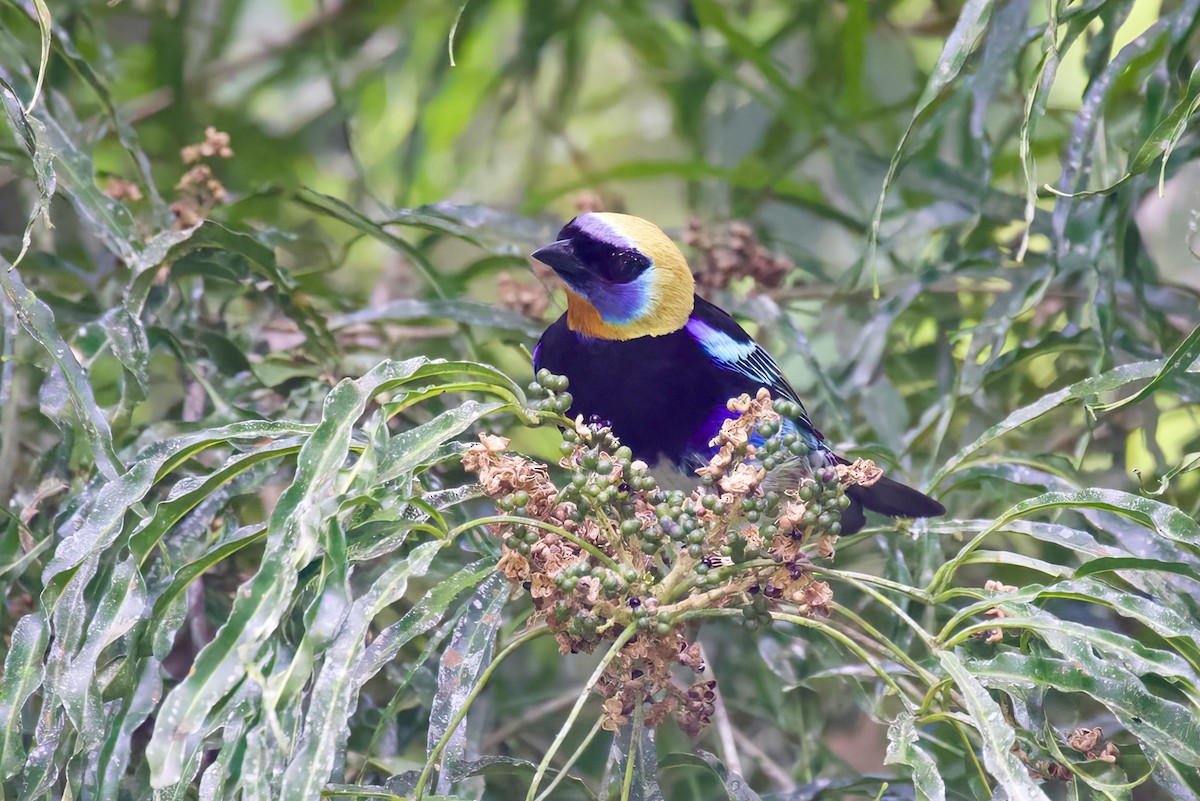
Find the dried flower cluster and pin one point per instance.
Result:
(729, 252)
(530, 300)
(216, 143)
(993, 636)
(609, 548)
(1085, 740)
(1088, 741)
(199, 189)
(120, 189)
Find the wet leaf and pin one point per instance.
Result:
(904, 749)
(1113, 379)
(37, 318)
(469, 652)
(961, 43)
(292, 539)
(23, 674)
(1182, 359)
(997, 735)
(336, 687)
(736, 786)
(1160, 723)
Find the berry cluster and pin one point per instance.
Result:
(608, 548)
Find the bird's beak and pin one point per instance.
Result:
(561, 257)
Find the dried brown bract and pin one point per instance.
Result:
(1087, 741)
(1084, 739)
(993, 636)
(862, 472)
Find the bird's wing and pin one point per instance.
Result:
(732, 349)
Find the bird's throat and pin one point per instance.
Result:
(661, 319)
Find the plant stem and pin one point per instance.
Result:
(529, 521)
(617, 645)
(850, 645)
(571, 760)
(635, 740)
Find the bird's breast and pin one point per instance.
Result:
(658, 392)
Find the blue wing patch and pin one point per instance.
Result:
(741, 356)
(739, 353)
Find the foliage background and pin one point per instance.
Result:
(180, 466)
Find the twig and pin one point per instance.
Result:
(770, 768)
(571, 760)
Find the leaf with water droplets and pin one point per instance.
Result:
(465, 658)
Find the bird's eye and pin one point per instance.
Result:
(626, 265)
(614, 263)
(603, 251)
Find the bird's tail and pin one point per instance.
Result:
(889, 498)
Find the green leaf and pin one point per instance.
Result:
(37, 318)
(219, 551)
(32, 135)
(100, 620)
(469, 652)
(406, 451)
(292, 540)
(1113, 379)
(132, 709)
(735, 786)
(632, 763)
(97, 523)
(342, 211)
(1160, 723)
(189, 492)
(23, 673)
(1182, 359)
(960, 44)
(997, 735)
(1160, 143)
(904, 749)
(420, 619)
(460, 311)
(1113, 564)
(336, 686)
(1165, 520)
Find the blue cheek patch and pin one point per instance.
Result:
(621, 304)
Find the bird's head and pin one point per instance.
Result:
(625, 278)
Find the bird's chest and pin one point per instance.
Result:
(657, 392)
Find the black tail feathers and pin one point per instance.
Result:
(889, 498)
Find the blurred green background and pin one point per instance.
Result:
(941, 217)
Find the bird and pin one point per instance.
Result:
(658, 363)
